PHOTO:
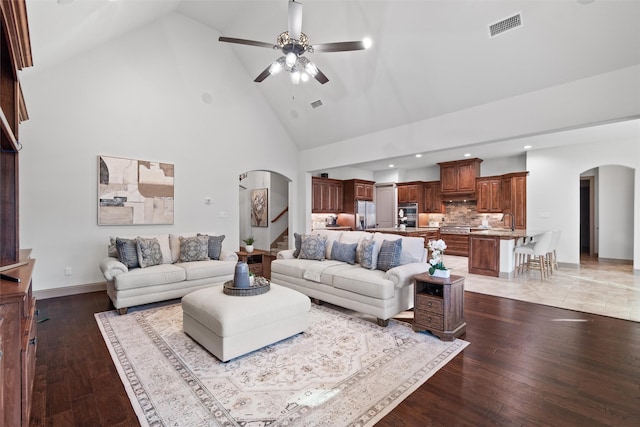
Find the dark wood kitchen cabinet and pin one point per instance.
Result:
(411, 192)
(327, 195)
(489, 194)
(457, 244)
(432, 199)
(484, 255)
(459, 177)
(514, 199)
(356, 190)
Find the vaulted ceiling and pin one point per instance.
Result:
(428, 58)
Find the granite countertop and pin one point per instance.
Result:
(400, 230)
(504, 233)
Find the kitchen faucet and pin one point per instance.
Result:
(513, 220)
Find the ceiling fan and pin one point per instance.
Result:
(294, 44)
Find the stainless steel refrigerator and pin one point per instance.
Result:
(365, 215)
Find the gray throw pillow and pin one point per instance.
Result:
(149, 252)
(368, 255)
(345, 252)
(389, 255)
(215, 246)
(127, 252)
(313, 247)
(194, 248)
(298, 243)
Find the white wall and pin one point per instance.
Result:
(167, 92)
(553, 196)
(615, 190)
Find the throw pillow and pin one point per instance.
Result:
(389, 255)
(298, 239)
(127, 252)
(215, 246)
(149, 252)
(313, 247)
(368, 254)
(345, 252)
(194, 248)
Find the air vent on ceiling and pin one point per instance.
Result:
(505, 24)
(316, 104)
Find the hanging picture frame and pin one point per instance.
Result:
(259, 207)
(135, 192)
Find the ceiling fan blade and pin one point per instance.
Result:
(321, 77)
(263, 75)
(295, 20)
(247, 42)
(339, 46)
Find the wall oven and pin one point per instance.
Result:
(410, 211)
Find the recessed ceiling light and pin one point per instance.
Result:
(467, 154)
(418, 155)
(526, 147)
(367, 42)
(390, 166)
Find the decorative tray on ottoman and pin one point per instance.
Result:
(260, 286)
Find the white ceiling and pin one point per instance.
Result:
(429, 57)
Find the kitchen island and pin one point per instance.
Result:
(491, 251)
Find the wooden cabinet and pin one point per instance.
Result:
(514, 199)
(432, 199)
(411, 192)
(355, 190)
(18, 344)
(15, 54)
(484, 255)
(459, 177)
(327, 195)
(256, 261)
(439, 306)
(489, 194)
(457, 244)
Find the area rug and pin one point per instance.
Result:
(344, 370)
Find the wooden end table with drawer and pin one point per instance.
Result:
(259, 261)
(439, 306)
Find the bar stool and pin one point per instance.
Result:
(551, 255)
(538, 251)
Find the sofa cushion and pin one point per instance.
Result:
(291, 267)
(163, 239)
(313, 247)
(389, 255)
(412, 247)
(355, 237)
(128, 252)
(215, 246)
(298, 244)
(332, 236)
(364, 282)
(149, 251)
(345, 252)
(203, 269)
(368, 254)
(151, 276)
(194, 248)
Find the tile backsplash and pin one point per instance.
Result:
(462, 213)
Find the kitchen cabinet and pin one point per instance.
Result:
(514, 199)
(411, 192)
(432, 199)
(457, 244)
(326, 195)
(459, 177)
(356, 190)
(484, 255)
(489, 194)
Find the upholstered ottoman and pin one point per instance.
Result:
(230, 326)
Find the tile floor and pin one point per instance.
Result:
(600, 287)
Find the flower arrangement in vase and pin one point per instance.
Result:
(437, 248)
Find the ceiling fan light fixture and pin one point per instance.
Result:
(311, 68)
(276, 67)
(304, 76)
(367, 42)
(295, 77)
(290, 59)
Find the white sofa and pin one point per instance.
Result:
(382, 294)
(171, 279)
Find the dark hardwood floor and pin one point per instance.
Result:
(527, 365)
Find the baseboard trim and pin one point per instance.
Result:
(70, 290)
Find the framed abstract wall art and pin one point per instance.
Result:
(134, 192)
(259, 208)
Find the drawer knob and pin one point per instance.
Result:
(33, 341)
(429, 319)
(430, 303)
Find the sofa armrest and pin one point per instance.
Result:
(403, 274)
(111, 268)
(228, 256)
(286, 254)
